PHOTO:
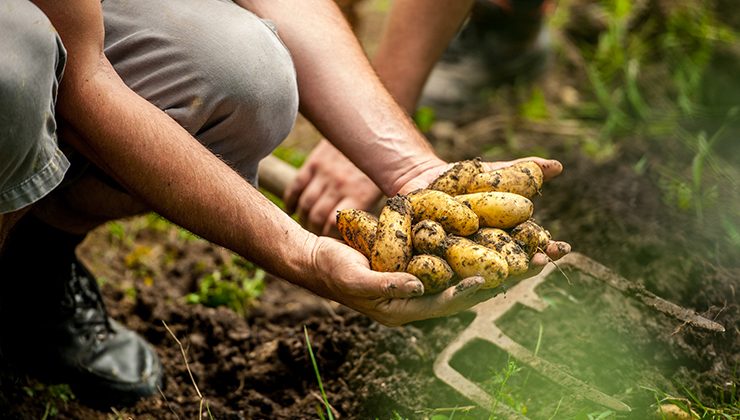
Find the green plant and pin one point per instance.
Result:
(291, 155)
(234, 285)
(50, 395)
(329, 413)
(727, 408)
(502, 393)
(424, 117)
(535, 107)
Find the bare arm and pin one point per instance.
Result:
(343, 97)
(153, 157)
(416, 34)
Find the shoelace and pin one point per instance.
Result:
(83, 298)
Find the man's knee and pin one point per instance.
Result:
(252, 75)
(214, 67)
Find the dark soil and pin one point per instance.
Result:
(258, 366)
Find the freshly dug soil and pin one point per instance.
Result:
(258, 366)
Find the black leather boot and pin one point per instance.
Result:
(55, 324)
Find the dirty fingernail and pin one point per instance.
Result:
(468, 286)
(414, 288)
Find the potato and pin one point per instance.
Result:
(455, 180)
(433, 272)
(469, 259)
(442, 208)
(531, 237)
(427, 237)
(498, 209)
(358, 228)
(392, 248)
(523, 178)
(500, 241)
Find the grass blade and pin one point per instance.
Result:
(329, 414)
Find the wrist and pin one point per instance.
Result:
(306, 266)
(412, 171)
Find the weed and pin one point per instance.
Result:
(503, 393)
(727, 408)
(234, 285)
(202, 399)
(329, 413)
(51, 396)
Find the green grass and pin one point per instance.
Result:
(727, 408)
(329, 414)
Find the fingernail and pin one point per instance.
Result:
(468, 286)
(563, 248)
(414, 288)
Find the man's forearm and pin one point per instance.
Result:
(341, 94)
(158, 161)
(415, 36)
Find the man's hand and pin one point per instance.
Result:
(550, 169)
(326, 183)
(392, 299)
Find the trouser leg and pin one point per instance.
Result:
(31, 64)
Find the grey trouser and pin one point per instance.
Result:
(31, 63)
(217, 69)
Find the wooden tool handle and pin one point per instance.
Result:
(275, 175)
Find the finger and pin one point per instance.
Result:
(538, 260)
(557, 249)
(295, 190)
(330, 224)
(451, 301)
(386, 286)
(321, 210)
(310, 195)
(550, 167)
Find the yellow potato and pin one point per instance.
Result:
(500, 241)
(456, 179)
(427, 237)
(392, 248)
(469, 259)
(531, 237)
(358, 228)
(523, 178)
(433, 272)
(442, 208)
(498, 209)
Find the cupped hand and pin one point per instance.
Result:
(326, 183)
(392, 299)
(550, 169)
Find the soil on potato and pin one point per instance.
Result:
(258, 366)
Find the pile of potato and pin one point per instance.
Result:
(468, 222)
